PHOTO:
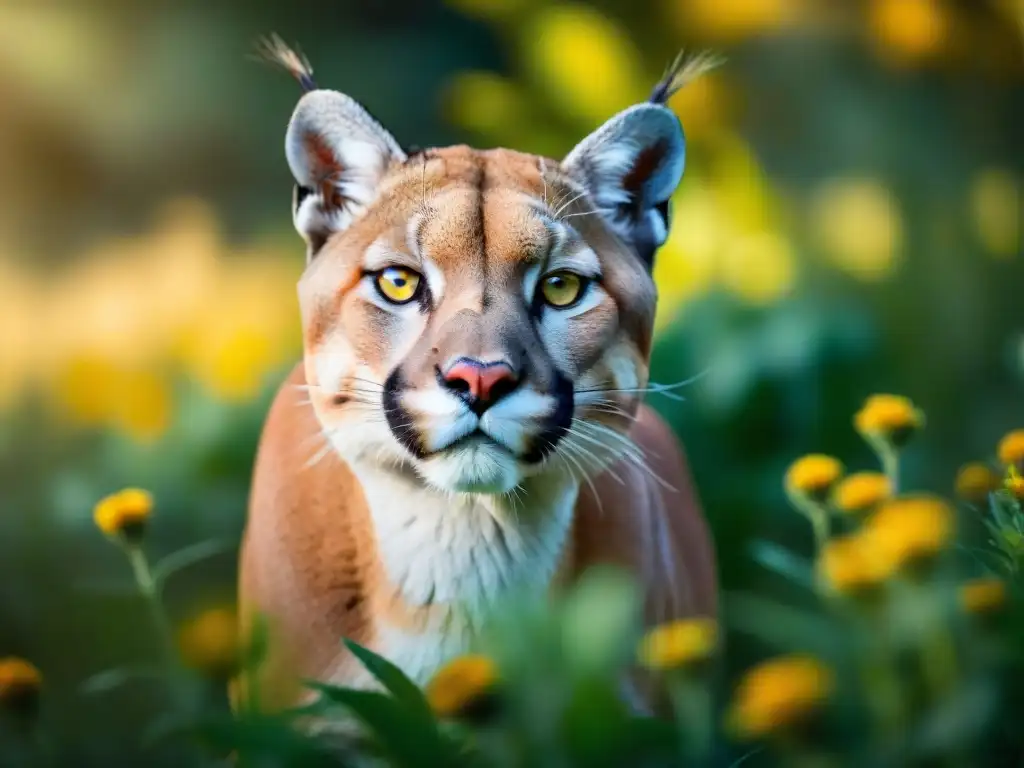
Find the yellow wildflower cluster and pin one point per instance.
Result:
(903, 532)
(679, 644)
(133, 312)
(124, 514)
(910, 529)
(779, 694)
(462, 685)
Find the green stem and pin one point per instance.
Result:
(692, 703)
(890, 458)
(147, 585)
(886, 697)
(938, 662)
(177, 690)
(818, 517)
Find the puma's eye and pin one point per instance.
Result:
(398, 285)
(562, 289)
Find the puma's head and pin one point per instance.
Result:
(480, 316)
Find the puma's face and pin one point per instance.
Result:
(480, 316)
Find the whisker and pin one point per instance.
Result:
(584, 477)
(599, 465)
(594, 212)
(635, 455)
(569, 202)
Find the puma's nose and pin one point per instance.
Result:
(480, 384)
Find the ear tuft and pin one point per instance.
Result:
(683, 71)
(633, 163)
(276, 51)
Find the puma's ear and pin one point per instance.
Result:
(632, 164)
(338, 154)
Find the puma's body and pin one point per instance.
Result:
(321, 565)
(468, 420)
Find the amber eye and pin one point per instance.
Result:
(562, 289)
(398, 285)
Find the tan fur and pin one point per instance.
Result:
(349, 535)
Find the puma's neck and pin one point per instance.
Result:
(463, 551)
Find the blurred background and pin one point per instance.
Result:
(849, 222)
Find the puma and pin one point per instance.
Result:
(467, 419)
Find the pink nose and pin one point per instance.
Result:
(482, 383)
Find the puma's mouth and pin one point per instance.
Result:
(475, 463)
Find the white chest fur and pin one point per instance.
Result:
(460, 554)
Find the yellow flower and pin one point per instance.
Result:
(20, 682)
(862, 491)
(777, 694)
(485, 103)
(975, 481)
(210, 643)
(144, 405)
(889, 417)
(909, 529)
(759, 267)
(587, 62)
(983, 595)
(908, 30)
(1011, 449)
(1015, 483)
(124, 514)
(732, 21)
(858, 224)
(96, 391)
(813, 475)
(850, 564)
(679, 643)
(461, 684)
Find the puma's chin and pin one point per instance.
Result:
(474, 465)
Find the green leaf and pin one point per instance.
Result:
(401, 734)
(783, 562)
(190, 555)
(267, 739)
(600, 621)
(109, 679)
(393, 679)
(1002, 509)
(166, 726)
(595, 724)
(780, 625)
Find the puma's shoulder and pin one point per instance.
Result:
(646, 517)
